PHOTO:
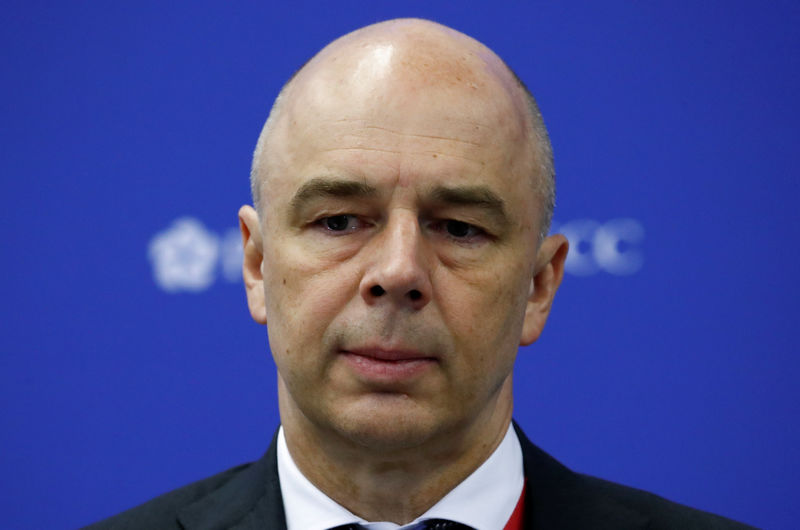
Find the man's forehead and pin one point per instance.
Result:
(411, 82)
(427, 80)
(390, 138)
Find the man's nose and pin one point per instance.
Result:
(397, 271)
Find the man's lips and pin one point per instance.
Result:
(389, 354)
(387, 365)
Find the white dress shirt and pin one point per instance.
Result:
(485, 500)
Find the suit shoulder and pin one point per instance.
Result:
(161, 513)
(663, 513)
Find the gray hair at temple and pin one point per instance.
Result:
(544, 182)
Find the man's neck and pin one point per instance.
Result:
(394, 485)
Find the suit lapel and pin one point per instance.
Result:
(250, 501)
(557, 498)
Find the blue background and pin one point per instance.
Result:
(118, 118)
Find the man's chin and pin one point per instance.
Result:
(388, 423)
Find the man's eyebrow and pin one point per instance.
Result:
(320, 187)
(477, 196)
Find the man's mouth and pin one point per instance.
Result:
(388, 365)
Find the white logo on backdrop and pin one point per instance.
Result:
(189, 257)
(612, 247)
(184, 256)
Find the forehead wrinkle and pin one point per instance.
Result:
(467, 131)
(417, 135)
(395, 151)
(382, 139)
(475, 125)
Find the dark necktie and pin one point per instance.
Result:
(428, 524)
(441, 524)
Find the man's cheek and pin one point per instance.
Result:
(309, 303)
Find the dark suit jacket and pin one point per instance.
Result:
(248, 497)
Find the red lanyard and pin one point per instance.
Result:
(515, 521)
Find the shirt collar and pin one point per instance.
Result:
(484, 500)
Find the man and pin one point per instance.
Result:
(397, 252)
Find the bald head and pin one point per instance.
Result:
(405, 68)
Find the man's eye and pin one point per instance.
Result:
(459, 228)
(339, 223)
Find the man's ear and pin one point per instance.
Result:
(251, 264)
(544, 284)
